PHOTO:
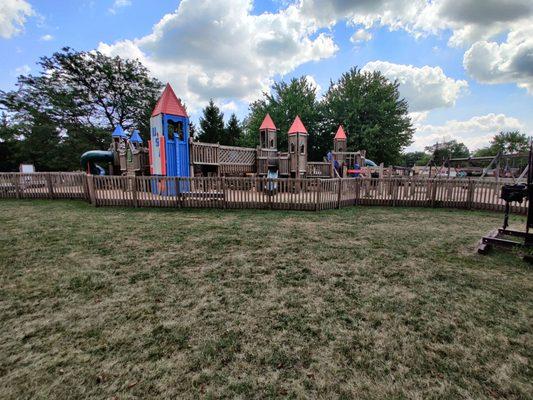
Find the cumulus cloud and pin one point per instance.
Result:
(47, 37)
(118, 4)
(23, 70)
(209, 48)
(361, 35)
(471, 23)
(508, 62)
(468, 20)
(312, 81)
(13, 14)
(424, 88)
(475, 132)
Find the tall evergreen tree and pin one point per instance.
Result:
(232, 136)
(211, 124)
(371, 111)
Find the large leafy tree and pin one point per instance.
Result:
(211, 124)
(507, 143)
(79, 97)
(372, 112)
(443, 151)
(411, 159)
(510, 142)
(284, 103)
(233, 132)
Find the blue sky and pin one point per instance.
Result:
(466, 68)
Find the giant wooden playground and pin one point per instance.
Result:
(174, 170)
(171, 151)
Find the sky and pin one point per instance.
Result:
(465, 67)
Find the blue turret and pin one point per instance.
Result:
(135, 137)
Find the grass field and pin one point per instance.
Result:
(354, 303)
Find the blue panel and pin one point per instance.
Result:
(177, 151)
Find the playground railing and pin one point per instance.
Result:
(256, 192)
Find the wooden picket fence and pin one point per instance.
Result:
(313, 194)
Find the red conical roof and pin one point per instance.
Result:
(168, 103)
(340, 135)
(297, 126)
(267, 124)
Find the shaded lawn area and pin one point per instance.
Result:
(353, 303)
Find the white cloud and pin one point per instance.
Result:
(424, 88)
(209, 48)
(471, 23)
(475, 132)
(361, 35)
(312, 81)
(118, 4)
(13, 14)
(23, 70)
(508, 62)
(230, 106)
(47, 37)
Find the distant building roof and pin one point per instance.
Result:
(118, 132)
(168, 103)
(135, 137)
(340, 135)
(297, 126)
(267, 124)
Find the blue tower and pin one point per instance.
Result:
(169, 136)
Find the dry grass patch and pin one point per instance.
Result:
(355, 303)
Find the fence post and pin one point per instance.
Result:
(270, 184)
(178, 191)
(86, 188)
(318, 190)
(470, 195)
(133, 185)
(433, 193)
(394, 191)
(16, 183)
(339, 194)
(357, 191)
(90, 186)
(224, 199)
(50, 186)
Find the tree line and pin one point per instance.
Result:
(78, 98)
(73, 104)
(511, 142)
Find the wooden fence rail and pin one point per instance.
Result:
(254, 192)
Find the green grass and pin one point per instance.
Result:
(355, 303)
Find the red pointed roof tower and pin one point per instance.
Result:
(169, 103)
(267, 124)
(340, 135)
(297, 127)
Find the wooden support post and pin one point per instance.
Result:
(270, 184)
(50, 186)
(433, 192)
(470, 194)
(177, 184)
(357, 191)
(224, 193)
(339, 193)
(318, 190)
(86, 188)
(92, 192)
(133, 185)
(16, 183)
(394, 191)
